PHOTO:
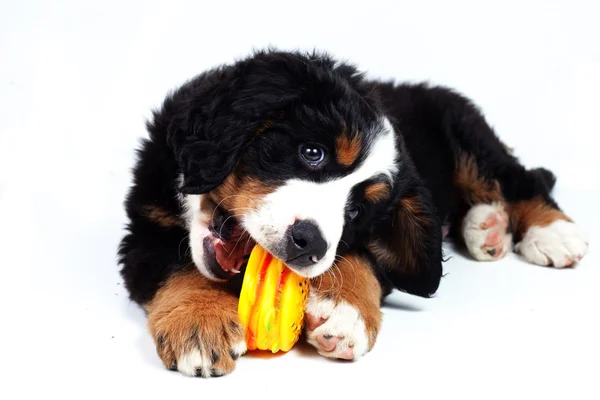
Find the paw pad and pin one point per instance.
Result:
(336, 330)
(485, 231)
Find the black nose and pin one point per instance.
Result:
(306, 245)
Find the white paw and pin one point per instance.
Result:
(239, 349)
(560, 244)
(194, 363)
(336, 330)
(203, 364)
(484, 230)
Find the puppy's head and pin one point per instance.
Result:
(281, 149)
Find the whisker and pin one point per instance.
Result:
(238, 241)
(337, 267)
(346, 243)
(331, 271)
(248, 240)
(221, 230)
(225, 198)
(333, 278)
(352, 266)
(227, 219)
(185, 237)
(243, 208)
(320, 282)
(337, 287)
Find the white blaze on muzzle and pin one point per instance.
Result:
(323, 203)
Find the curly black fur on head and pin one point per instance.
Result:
(225, 107)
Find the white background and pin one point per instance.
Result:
(78, 79)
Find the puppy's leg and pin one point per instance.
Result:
(546, 236)
(342, 314)
(195, 325)
(485, 226)
(543, 233)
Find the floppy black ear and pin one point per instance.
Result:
(408, 248)
(209, 121)
(206, 164)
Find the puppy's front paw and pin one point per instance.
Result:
(337, 329)
(197, 343)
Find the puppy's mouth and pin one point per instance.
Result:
(227, 247)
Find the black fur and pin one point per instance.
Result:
(207, 128)
(226, 106)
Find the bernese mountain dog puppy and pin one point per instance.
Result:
(352, 182)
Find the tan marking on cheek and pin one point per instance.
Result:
(353, 281)
(347, 149)
(240, 195)
(377, 192)
(412, 209)
(382, 254)
(162, 217)
(401, 258)
(414, 221)
(401, 252)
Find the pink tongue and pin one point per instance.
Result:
(229, 256)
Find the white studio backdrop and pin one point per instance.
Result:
(79, 78)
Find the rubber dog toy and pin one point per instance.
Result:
(271, 304)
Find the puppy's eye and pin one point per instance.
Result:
(312, 154)
(353, 212)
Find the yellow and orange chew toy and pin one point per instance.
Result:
(271, 304)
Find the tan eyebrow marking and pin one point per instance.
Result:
(377, 192)
(347, 148)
